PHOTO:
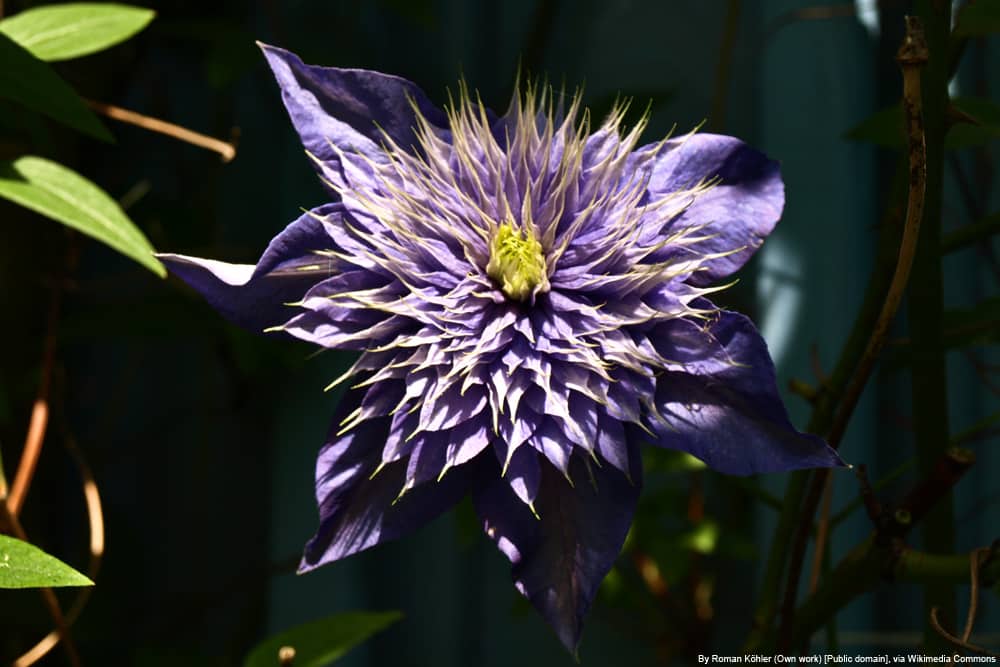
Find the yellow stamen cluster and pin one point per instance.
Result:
(517, 263)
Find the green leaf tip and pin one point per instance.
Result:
(65, 196)
(70, 30)
(322, 642)
(24, 565)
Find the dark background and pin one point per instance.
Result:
(202, 437)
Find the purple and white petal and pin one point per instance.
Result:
(560, 558)
(348, 108)
(517, 284)
(737, 212)
(732, 418)
(256, 296)
(358, 511)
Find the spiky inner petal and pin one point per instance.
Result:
(517, 263)
(502, 280)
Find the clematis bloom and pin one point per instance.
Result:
(530, 300)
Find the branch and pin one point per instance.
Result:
(225, 149)
(911, 57)
(929, 379)
(884, 554)
(867, 565)
(967, 235)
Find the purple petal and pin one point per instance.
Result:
(739, 211)
(357, 511)
(349, 108)
(521, 468)
(254, 297)
(560, 558)
(732, 417)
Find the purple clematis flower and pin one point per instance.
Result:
(530, 302)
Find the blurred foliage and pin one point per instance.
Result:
(28, 81)
(322, 642)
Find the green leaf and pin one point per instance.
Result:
(981, 17)
(882, 128)
(26, 80)
(60, 193)
(885, 127)
(71, 30)
(321, 642)
(702, 538)
(670, 461)
(985, 129)
(23, 565)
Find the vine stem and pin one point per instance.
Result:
(39, 421)
(925, 311)
(912, 57)
(977, 559)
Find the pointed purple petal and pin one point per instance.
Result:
(559, 559)
(357, 511)
(739, 211)
(348, 107)
(732, 418)
(254, 297)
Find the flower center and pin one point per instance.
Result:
(517, 263)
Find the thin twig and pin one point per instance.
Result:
(815, 13)
(817, 365)
(720, 100)
(804, 389)
(95, 516)
(957, 641)
(944, 474)
(868, 497)
(975, 560)
(51, 601)
(39, 414)
(822, 533)
(225, 149)
(795, 562)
